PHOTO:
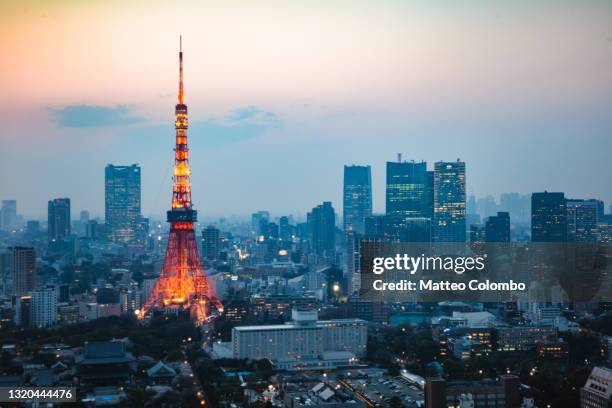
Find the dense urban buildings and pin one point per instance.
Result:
(278, 310)
(357, 197)
(122, 206)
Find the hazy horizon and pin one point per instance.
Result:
(282, 95)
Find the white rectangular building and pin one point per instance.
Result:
(44, 307)
(304, 340)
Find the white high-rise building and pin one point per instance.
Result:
(44, 307)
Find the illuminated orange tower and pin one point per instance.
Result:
(182, 284)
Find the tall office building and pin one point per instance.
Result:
(417, 229)
(32, 228)
(477, 233)
(23, 265)
(357, 202)
(582, 220)
(449, 202)
(22, 306)
(259, 221)
(375, 227)
(286, 231)
(548, 217)
(599, 207)
(58, 217)
(6, 269)
(211, 243)
(497, 228)
(322, 229)
(408, 190)
(9, 214)
(122, 202)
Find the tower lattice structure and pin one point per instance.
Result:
(182, 284)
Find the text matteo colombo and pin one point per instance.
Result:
(459, 265)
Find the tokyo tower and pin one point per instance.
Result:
(182, 286)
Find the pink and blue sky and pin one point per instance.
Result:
(283, 94)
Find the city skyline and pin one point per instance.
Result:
(435, 83)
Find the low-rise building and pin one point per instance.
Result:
(303, 343)
(523, 337)
(105, 363)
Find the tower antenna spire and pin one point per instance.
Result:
(181, 95)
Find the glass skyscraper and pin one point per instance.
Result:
(322, 229)
(409, 194)
(357, 203)
(548, 217)
(58, 217)
(449, 202)
(582, 220)
(122, 202)
(497, 227)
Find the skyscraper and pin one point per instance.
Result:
(122, 202)
(548, 217)
(322, 229)
(23, 265)
(6, 270)
(497, 228)
(582, 220)
(407, 189)
(357, 202)
(259, 221)
(449, 202)
(9, 214)
(285, 229)
(375, 227)
(58, 217)
(211, 243)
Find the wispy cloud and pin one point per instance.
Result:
(88, 116)
(240, 125)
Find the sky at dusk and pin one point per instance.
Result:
(282, 94)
